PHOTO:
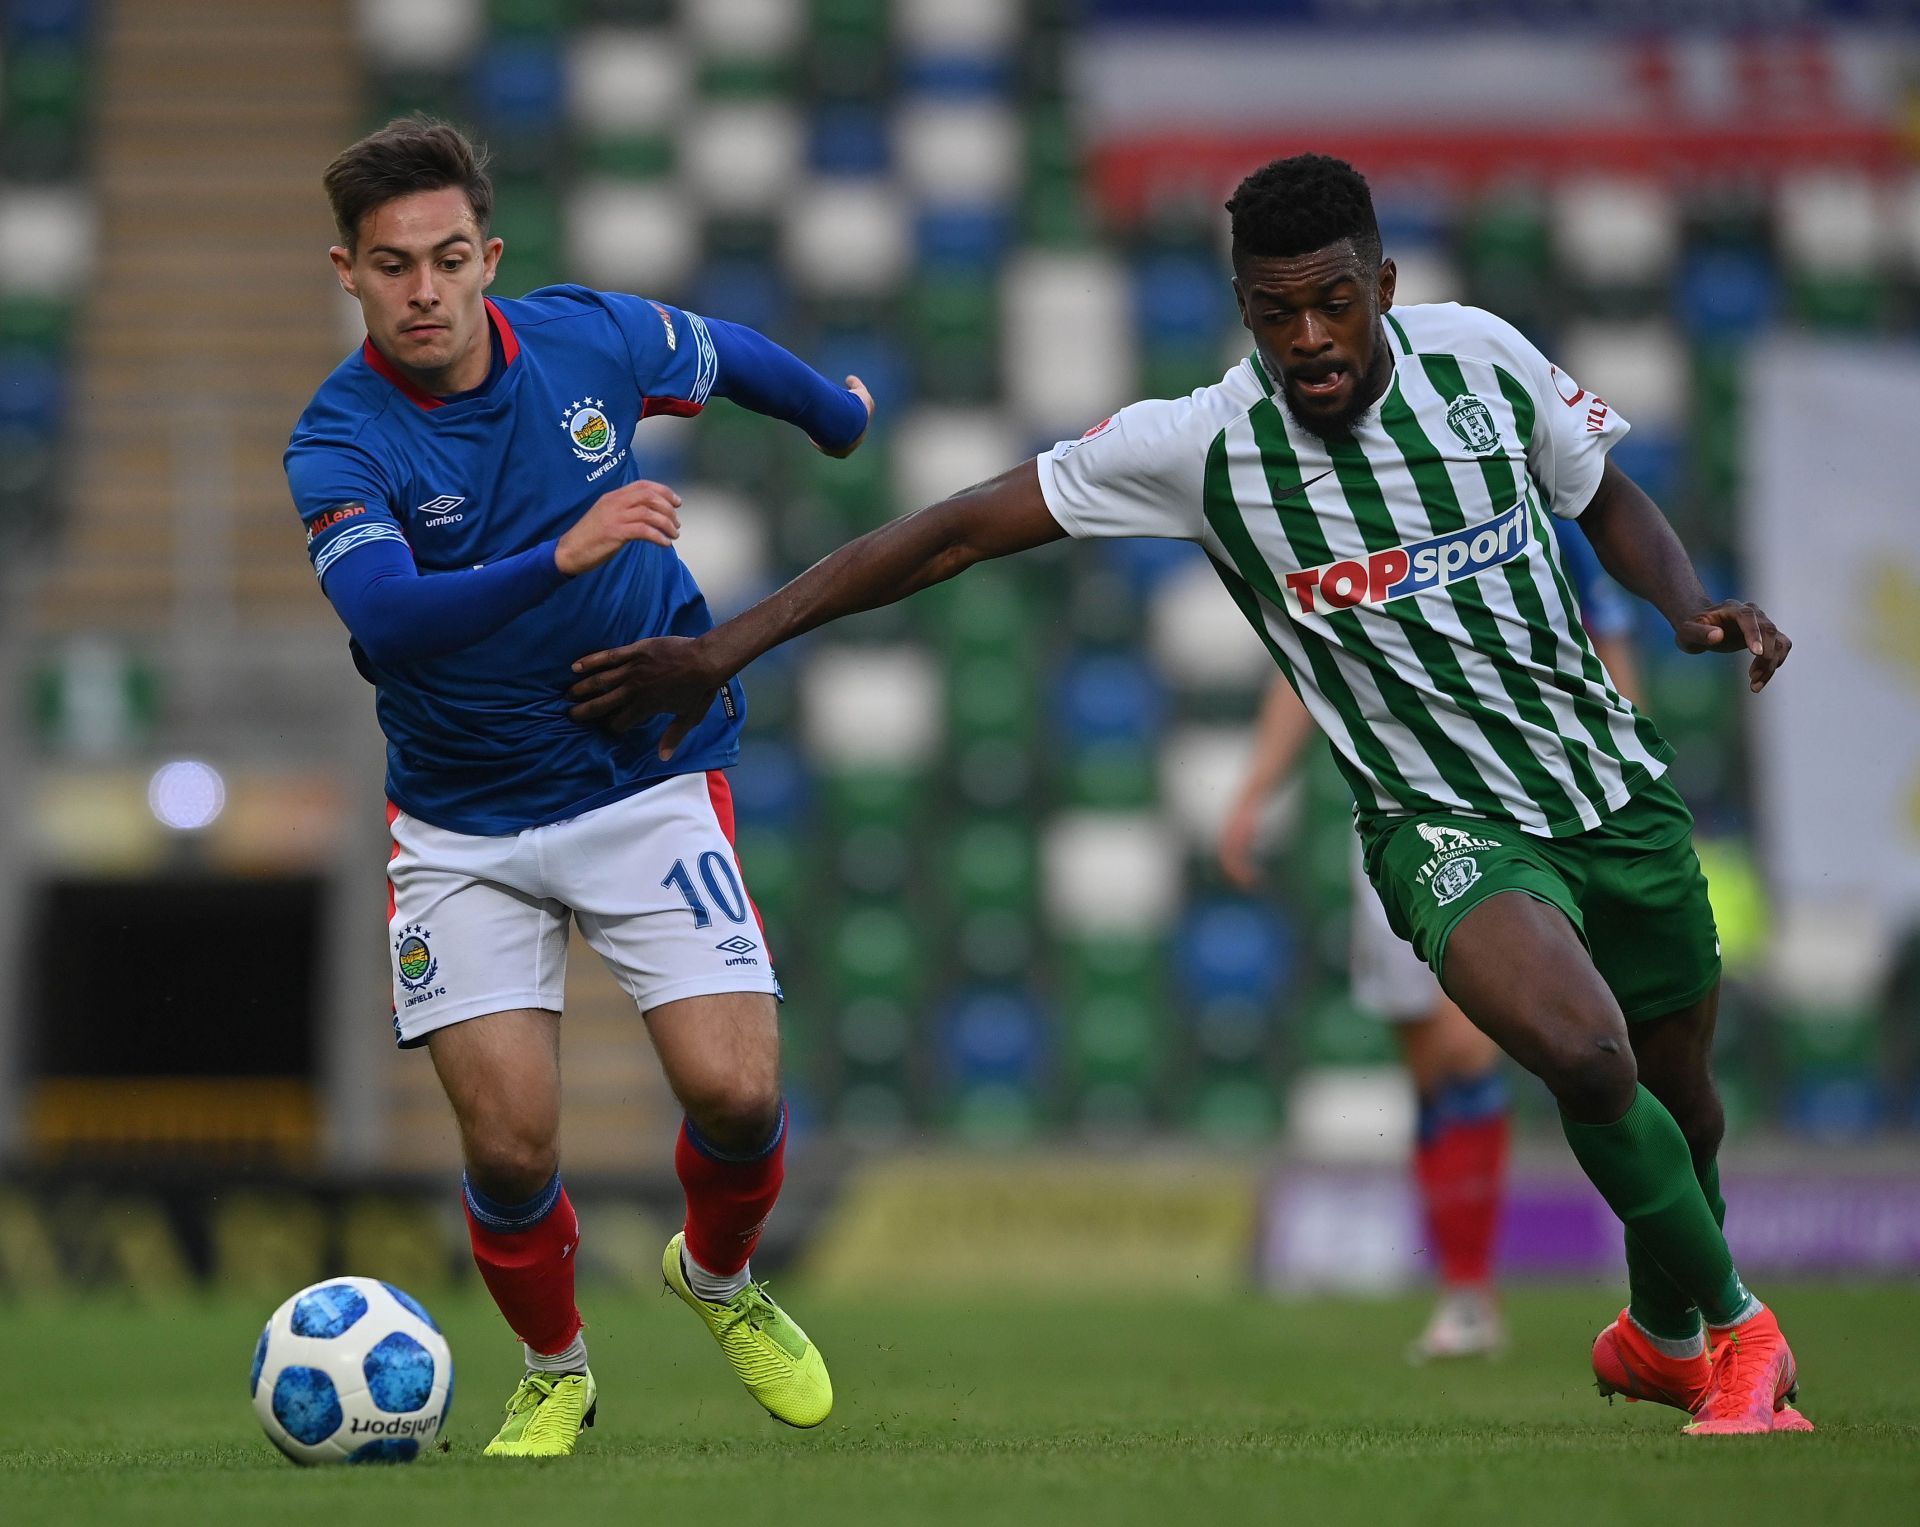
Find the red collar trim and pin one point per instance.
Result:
(509, 347)
(509, 341)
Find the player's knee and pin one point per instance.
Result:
(736, 1114)
(511, 1165)
(1591, 1073)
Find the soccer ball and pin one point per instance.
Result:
(352, 1371)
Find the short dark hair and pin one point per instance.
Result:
(1295, 206)
(409, 154)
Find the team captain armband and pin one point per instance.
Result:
(360, 531)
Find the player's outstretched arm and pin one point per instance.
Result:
(679, 676)
(756, 373)
(1638, 547)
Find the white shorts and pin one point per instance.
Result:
(1388, 977)
(479, 924)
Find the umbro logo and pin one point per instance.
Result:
(441, 510)
(738, 944)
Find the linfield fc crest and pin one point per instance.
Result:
(589, 428)
(414, 958)
(1470, 420)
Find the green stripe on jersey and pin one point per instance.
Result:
(1446, 678)
(1402, 696)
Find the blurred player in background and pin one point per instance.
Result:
(1372, 486)
(1461, 1127)
(475, 515)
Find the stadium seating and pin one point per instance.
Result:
(979, 826)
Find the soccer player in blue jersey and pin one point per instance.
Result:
(475, 515)
(1460, 1136)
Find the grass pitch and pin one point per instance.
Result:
(986, 1410)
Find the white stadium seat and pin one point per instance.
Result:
(740, 156)
(847, 237)
(1616, 232)
(944, 27)
(628, 80)
(1642, 369)
(872, 707)
(723, 541)
(46, 239)
(958, 154)
(1198, 636)
(1110, 872)
(631, 237)
(1829, 223)
(420, 34)
(1068, 349)
(938, 451)
(744, 28)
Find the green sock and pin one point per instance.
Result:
(1655, 1301)
(1641, 1165)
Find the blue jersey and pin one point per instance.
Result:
(478, 740)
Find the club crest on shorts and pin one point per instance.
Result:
(414, 958)
(589, 428)
(1454, 879)
(1470, 420)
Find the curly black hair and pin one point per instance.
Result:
(1295, 206)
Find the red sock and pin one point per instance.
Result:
(1461, 1169)
(529, 1268)
(728, 1199)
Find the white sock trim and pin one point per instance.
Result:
(1674, 1346)
(715, 1288)
(570, 1359)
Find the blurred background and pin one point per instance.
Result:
(1021, 996)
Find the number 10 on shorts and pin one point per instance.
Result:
(722, 885)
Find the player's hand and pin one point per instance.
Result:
(859, 390)
(1237, 837)
(663, 675)
(641, 511)
(1734, 624)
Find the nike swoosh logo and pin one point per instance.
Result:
(1296, 491)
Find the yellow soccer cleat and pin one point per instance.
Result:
(546, 1416)
(771, 1355)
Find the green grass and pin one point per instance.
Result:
(984, 1411)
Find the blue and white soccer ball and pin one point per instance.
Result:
(352, 1371)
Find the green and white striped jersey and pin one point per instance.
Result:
(1407, 581)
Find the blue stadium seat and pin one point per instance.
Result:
(741, 291)
(956, 74)
(1835, 1107)
(770, 784)
(1654, 458)
(1110, 698)
(848, 138)
(32, 392)
(876, 356)
(1178, 298)
(1147, 561)
(965, 236)
(1726, 293)
(993, 1035)
(48, 20)
(1233, 949)
(519, 86)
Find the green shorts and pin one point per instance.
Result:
(1632, 888)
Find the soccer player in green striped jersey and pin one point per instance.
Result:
(1372, 484)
